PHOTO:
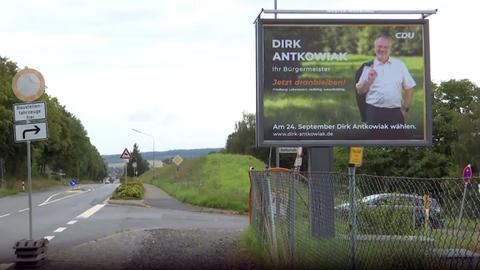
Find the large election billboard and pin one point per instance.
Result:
(343, 82)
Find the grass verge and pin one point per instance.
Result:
(216, 180)
(253, 247)
(14, 186)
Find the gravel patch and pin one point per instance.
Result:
(191, 249)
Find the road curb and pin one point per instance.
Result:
(139, 203)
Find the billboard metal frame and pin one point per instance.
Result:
(259, 45)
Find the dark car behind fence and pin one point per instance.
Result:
(377, 223)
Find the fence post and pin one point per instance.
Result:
(353, 214)
(462, 206)
(291, 217)
(270, 213)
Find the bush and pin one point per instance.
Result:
(129, 191)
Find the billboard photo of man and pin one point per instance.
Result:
(382, 83)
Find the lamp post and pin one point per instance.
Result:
(153, 139)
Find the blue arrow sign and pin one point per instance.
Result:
(72, 183)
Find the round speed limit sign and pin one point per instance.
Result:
(28, 84)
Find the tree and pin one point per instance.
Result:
(242, 140)
(68, 148)
(142, 164)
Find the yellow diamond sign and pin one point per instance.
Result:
(177, 160)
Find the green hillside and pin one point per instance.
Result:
(184, 153)
(216, 180)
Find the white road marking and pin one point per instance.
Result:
(47, 201)
(71, 222)
(5, 266)
(50, 237)
(49, 198)
(60, 229)
(91, 211)
(23, 210)
(6, 215)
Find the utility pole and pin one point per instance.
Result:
(153, 139)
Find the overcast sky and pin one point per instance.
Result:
(182, 71)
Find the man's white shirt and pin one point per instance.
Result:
(386, 90)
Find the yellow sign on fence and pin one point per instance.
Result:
(356, 156)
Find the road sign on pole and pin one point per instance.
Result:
(30, 132)
(29, 111)
(467, 174)
(356, 156)
(125, 154)
(177, 160)
(28, 84)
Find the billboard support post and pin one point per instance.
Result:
(322, 212)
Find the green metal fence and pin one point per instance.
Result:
(346, 221)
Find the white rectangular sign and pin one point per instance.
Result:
(29, 111)
(287, 150)
(31, 132)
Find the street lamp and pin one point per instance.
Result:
(153, 139)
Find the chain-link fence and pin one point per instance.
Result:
(346, 221)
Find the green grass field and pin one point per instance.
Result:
(216, 180)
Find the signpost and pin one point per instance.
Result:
(134, 165)
(29, 111)
(467, 176)
(29, 119)
(30, 132)
(72, 183)
(177, 160)
(356, 156)
(126, 155)
(355, 160)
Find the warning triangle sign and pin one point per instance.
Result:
(125, 154)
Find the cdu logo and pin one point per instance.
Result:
(405, 35)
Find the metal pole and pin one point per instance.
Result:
(277, 156)
(153, 138)
(292, 216)
(30, 210)
(272, 220)
(270, 158)
(275, 8)
(353, 215)
(461, 207)
(126, 168)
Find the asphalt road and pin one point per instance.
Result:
(54, 211)
(74, 218)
